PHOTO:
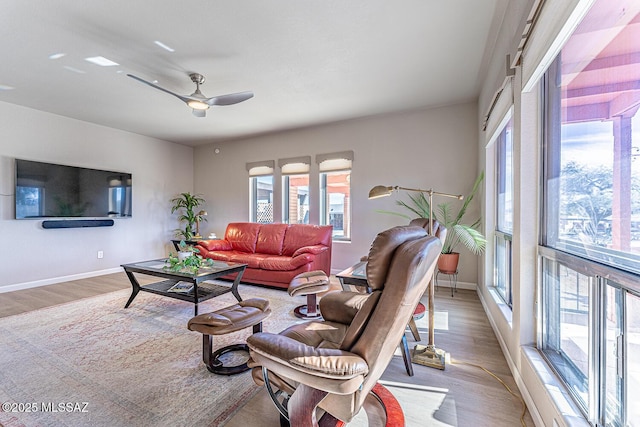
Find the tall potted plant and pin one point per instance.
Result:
(457, 232)
(186, 204)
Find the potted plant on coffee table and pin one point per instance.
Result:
(186, 203)
(185, 250)
(457, 231)
(187, 259)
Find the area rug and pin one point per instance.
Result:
(94, 363)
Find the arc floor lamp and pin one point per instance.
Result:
(429, 355)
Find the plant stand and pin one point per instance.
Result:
(453, 280)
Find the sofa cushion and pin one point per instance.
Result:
(242, 236)
(219, 255)
(285, 263)
(271, 239)
(299, 235)
(252, 260)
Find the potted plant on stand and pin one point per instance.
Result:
(186, 203)
(457, 232)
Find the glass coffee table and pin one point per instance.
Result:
(202, 289)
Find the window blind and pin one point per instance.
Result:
(263, 168)
(295, 165)
(502, 103)
(551, 29)
(342, 160)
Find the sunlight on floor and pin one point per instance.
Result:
(433, 405)
(438, 409)
(441, 318)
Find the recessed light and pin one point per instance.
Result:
(56, 55)
(75, 70)
(5, 87)
(101, 61)
(164, 46)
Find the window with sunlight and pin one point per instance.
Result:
(295, 190)
(261, 191)
(504, 212)
(335, 192)
(591, 229)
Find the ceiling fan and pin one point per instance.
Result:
(197, 101)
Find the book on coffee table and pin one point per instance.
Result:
(181, 287)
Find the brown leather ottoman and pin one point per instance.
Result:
(246, 313)
(309, 283)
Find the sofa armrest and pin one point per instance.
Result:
(313, 249)
(215, 245)
(326, 362)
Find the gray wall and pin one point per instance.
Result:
(420, 149)
(31, 255)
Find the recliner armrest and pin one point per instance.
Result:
(324, 362)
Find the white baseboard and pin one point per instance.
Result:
(444, 283)
(54, 280)
(524, 391)
(556, 399)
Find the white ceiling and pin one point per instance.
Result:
(308, 62)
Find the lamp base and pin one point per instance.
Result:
(428, 356)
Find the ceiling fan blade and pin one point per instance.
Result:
(199, 113)
(230, 99)
(180, 97)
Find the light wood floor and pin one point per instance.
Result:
(461, 395)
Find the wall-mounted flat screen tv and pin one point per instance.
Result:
(45, 190)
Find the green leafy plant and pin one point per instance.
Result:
(186, 204)
(184, 247)
(190, 263)
(457, 232)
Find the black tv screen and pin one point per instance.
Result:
(45, 190)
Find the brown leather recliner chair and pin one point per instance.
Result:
(439, 230)
(333, 364)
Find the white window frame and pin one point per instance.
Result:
(290, 168)
(257, 171)
(331, 164)
(503, 237)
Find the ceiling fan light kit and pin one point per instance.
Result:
(197, 105)
(197, 101)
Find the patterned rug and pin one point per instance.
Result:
(93, 363)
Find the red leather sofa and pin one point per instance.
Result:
(274, 253)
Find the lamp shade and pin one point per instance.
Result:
(380, 191)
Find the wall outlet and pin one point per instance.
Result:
(100, 254)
